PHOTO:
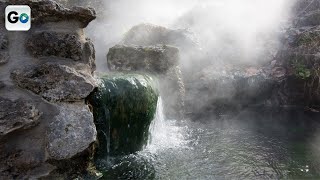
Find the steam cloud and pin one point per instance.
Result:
(237, 31)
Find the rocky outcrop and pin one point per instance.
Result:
(159, 60)
(44, 79)
(151, 59)
(123, 107)
(55, 82)
(297, 68)
(154, 49)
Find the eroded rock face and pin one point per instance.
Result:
(153, 59)
(298, 59)
(123, 107)
(50, 11)
(71, 132)
(15, 115)
(55, 44)
(53, 62)
(55, 82)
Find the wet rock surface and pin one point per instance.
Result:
(124, 106)
(71, 132)
(55, 82)
(154, 49)
(17, 115)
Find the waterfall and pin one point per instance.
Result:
(164, 133)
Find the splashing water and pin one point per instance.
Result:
(164, 133)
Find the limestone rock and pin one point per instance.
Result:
(50, 11)
(55, 82)
(123, 107)
(62, 45)
(55, 44)
(16, 115)
(153, 59)
(71, 132)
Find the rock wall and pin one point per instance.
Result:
(297, 67)
(45, 76)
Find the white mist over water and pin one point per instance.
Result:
(227, 30)
(164, 133)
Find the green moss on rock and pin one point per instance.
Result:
(123, 108)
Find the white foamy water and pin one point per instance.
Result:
(165, 133)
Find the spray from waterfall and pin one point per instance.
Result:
(164, 133)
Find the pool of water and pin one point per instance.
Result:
(252, 144)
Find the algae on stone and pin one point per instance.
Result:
(123, 108)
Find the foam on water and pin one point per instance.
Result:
(164, 133)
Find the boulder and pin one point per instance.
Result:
(123, 108)
(71, 132)
(50, 11)
(151, 59)
(55, 82)
(17, 115)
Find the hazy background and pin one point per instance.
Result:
(245, 31)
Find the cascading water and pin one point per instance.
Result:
(164, 133)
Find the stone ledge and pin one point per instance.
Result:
(55, 82)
